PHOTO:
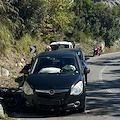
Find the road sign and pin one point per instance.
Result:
(32, 49)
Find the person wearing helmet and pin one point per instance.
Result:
(100, 50)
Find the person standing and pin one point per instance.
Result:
(48, 48)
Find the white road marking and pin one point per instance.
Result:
(102, 81)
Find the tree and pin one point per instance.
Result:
(96, 20)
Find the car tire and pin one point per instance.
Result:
(82, 109)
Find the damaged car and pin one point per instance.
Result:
(55, 82)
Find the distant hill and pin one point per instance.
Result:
(110, 3)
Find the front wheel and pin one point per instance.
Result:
(82, 109)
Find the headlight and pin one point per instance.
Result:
(77, 89)
(27, 89)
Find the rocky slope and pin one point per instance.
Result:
(110, 3)
(10, 67)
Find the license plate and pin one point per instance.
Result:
(50, 102)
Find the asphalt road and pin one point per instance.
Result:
(103, 93)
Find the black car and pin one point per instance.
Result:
(55, 82)
(82, 59)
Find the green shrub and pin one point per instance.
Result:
(23, 45)
(5, 39)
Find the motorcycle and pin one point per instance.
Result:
(96, 51)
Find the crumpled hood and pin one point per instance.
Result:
(59, 81)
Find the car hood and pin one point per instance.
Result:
(53, 81)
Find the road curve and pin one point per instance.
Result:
(104, 85)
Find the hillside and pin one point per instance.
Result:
(14, 61)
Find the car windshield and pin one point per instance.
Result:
(55, 65)
(59, 46)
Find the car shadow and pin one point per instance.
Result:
(103, 96)
(102, 102)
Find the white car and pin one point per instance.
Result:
(60, 45)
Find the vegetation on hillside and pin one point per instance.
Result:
(32, 22)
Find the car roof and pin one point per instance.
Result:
(57, 53)
(74, 50)
(70, 49)
(61, 42)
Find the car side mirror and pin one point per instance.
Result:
(86, 70)
(26, 69)
(87, 57)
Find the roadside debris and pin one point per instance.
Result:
(11, 99)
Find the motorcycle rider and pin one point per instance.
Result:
(100, 50)
(94, 50)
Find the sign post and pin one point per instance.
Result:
(33, 50)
